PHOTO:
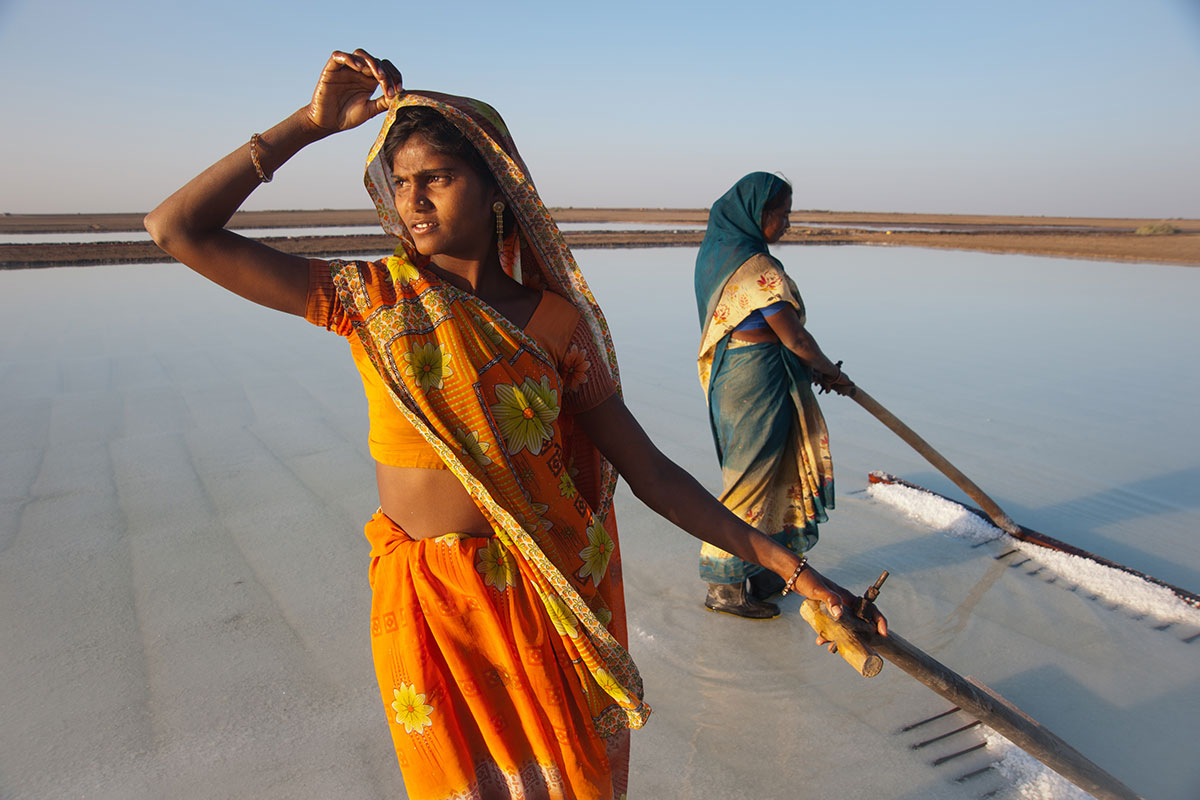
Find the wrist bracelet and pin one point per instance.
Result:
(262, 176)
(790, 584)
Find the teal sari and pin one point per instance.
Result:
(770, 436)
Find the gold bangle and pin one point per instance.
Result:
(790, 584)
(262, 176)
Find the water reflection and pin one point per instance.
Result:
(1055, 384)
(657, 227)
(1065, 388)
(944, 228)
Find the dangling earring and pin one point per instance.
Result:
(498, 208)
(512, 264)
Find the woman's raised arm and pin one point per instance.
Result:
(190, 224)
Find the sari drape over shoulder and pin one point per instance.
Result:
(769, 432)
(502, 660)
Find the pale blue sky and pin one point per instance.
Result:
(1048, 107)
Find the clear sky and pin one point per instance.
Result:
(1074, 107)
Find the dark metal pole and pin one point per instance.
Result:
(973, 698)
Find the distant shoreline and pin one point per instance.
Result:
(1105, 239)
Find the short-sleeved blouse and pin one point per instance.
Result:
(556, 326)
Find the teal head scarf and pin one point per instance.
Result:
(734, 234)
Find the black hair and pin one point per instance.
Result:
(444, 137)
(781, 194)
(441, 134)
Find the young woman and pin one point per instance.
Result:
(756, 363)
(498, 620)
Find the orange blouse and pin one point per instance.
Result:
(556, 325)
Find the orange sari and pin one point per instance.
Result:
(501, 660)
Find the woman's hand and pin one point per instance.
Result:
(792, 335)
(342, 99)
(838, 600)
(675, 495)
(838, 382)
(190, 224)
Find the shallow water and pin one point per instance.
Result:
(1065, 389)
(631, 226)
(883, 226)
(183, 479)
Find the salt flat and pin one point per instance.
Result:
(184, 477)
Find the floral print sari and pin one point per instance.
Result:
(502, 660)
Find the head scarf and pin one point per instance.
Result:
(734, 234)
(536, 254)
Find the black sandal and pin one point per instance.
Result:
(732, 598)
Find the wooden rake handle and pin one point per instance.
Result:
(850, 645)
(997, 515)
(857, 641)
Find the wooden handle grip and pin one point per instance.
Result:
(850, 647)
(997, 515)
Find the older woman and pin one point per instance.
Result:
(498, 619)
(756, 363)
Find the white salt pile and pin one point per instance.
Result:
(1137, 595)
(1030, 778)
(935, 512)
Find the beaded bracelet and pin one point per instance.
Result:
(262, 176)
(790, 584)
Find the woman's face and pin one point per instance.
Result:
(775, 219)
(446, 206)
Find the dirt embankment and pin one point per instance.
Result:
(1090, 238)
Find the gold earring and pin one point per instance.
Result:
(498, 208)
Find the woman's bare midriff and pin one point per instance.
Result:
(755, 335)
(428, 502)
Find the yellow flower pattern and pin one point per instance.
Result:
(496, 566)
(402, 270)
(471, 446)
(492, 333)
(538, 523)
(525, 414)
(611, 687)
(563, 618)
(599, 550)
(411, 709)
(428, 364)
